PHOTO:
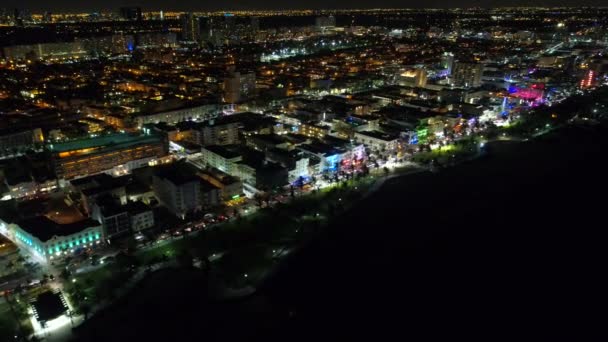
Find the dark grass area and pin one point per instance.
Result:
(173, 305)
(509, 246)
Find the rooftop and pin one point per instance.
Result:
(110, 206)
(222, 151)
(137, 207)
(45, 229)
(320, 148)
(48, 306)
(207, 186)
(89, 145)
(379, 135)
(178, 174)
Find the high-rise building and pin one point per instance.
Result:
(190, 27)
(413, 77)
(18, 17)
(207, 32)
(238, 86)
(254, 24)
(232, 88)
(420, 78)
(217, 132)
(47, 17)
(229, 22)
(131, 13)
(447, 62)
(467, 74)
(325, 22)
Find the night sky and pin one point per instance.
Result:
(96, 5)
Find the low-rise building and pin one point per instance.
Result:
(313, 131)
(12, 141)
(378, 141)
(27, 177)
(211, 195)
(46, 239)
(175, 115)
(219, 131)
(221, 158)
(141, 216)
(296, 163)
(117, 154)
(112, 215)
(96, 186)
(332, 158)
(178, 189)
(264, 142)
(231, 187)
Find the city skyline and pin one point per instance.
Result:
(190, 174)
(191, 5)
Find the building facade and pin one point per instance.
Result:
(179, 193)
(11, 141)
(141, 216)
(378, 141)
(202, 112)
(45, 239)
(467, 75)
(121, 152)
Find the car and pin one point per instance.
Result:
(107, 259)
(34, 282)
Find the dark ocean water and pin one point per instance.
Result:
(510, 246)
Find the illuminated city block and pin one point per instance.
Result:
(589, 80)
(422, 135)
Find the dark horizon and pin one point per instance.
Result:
(191, 5)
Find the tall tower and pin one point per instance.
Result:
(131, 13)
(421, 78)
(188, 27)
(447, 62)
(467, 74)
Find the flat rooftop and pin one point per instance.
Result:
(379, 135)
(48, 306)
(45, 229)
(121, 140)
(177, 174)
(320, 148)
(222, 151)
